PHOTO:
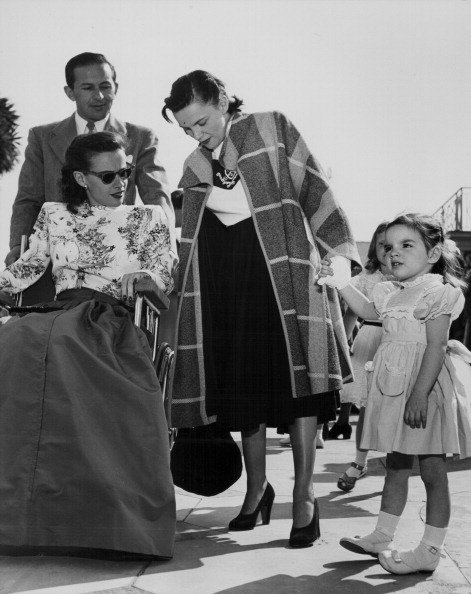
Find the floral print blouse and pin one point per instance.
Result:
(94, 248)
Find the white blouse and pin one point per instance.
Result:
(229, 202)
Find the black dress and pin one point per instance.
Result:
(246, 364)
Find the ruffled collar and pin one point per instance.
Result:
(421, 279)
(385, 277)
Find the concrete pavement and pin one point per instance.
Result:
(209, 559)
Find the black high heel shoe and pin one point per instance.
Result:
(248, 521)
(304, 537)
(344, 430)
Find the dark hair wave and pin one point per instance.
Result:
(85, 59)
(449, 265)
(78, 158)
(198, 85)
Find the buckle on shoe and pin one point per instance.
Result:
(395, 556)
(435, 551)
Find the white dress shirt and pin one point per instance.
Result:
(81, 124)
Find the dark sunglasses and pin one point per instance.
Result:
(107, 177)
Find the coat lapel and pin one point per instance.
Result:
(62, 135)
(198, 169)
(198, 166)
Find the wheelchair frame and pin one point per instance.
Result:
(150, 301)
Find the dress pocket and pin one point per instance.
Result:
(391, 380)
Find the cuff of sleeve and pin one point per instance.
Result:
(343, 284)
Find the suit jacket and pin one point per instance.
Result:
(40, 174)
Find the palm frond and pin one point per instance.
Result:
(9, 140)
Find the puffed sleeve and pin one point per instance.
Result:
(440, 300)
(380, 295)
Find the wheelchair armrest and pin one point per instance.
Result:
(146, 287)
(5, 299)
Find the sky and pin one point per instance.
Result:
(379, 89)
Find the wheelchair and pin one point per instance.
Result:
(150, 302)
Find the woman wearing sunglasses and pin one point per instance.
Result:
(84, 461)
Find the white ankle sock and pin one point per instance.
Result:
(360, 458)
(433, 536)
(386, 524)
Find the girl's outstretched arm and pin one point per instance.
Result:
(356, 301)
(415, 413)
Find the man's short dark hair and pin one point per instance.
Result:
(85, 59)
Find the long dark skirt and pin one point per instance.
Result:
(84, 456)
(246, 363)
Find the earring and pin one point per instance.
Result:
(86, 187)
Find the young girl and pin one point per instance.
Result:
(364, 348)
(416, 401)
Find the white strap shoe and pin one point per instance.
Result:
(421, 559)
(367, 545)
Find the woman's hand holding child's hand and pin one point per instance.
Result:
(335, 272)
(325, 271)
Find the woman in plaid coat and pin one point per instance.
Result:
(259, 342)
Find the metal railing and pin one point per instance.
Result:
(455, 213)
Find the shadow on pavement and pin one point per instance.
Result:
(337, 580)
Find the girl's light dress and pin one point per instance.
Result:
(404, 308)
(365, 344)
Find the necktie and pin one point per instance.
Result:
(91, 127)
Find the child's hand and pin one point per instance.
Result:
(335, 272)
(326, 270)
(415, 413)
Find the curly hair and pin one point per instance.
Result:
(198, 85)
(449, 265)
(78, 158)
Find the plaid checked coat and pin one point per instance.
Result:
(298, 221)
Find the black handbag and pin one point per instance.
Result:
(205, 460)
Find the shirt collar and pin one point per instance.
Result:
(218, 149)
(81, 124)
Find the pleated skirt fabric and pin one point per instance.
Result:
(246, 363)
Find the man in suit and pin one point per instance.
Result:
(91, 84)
